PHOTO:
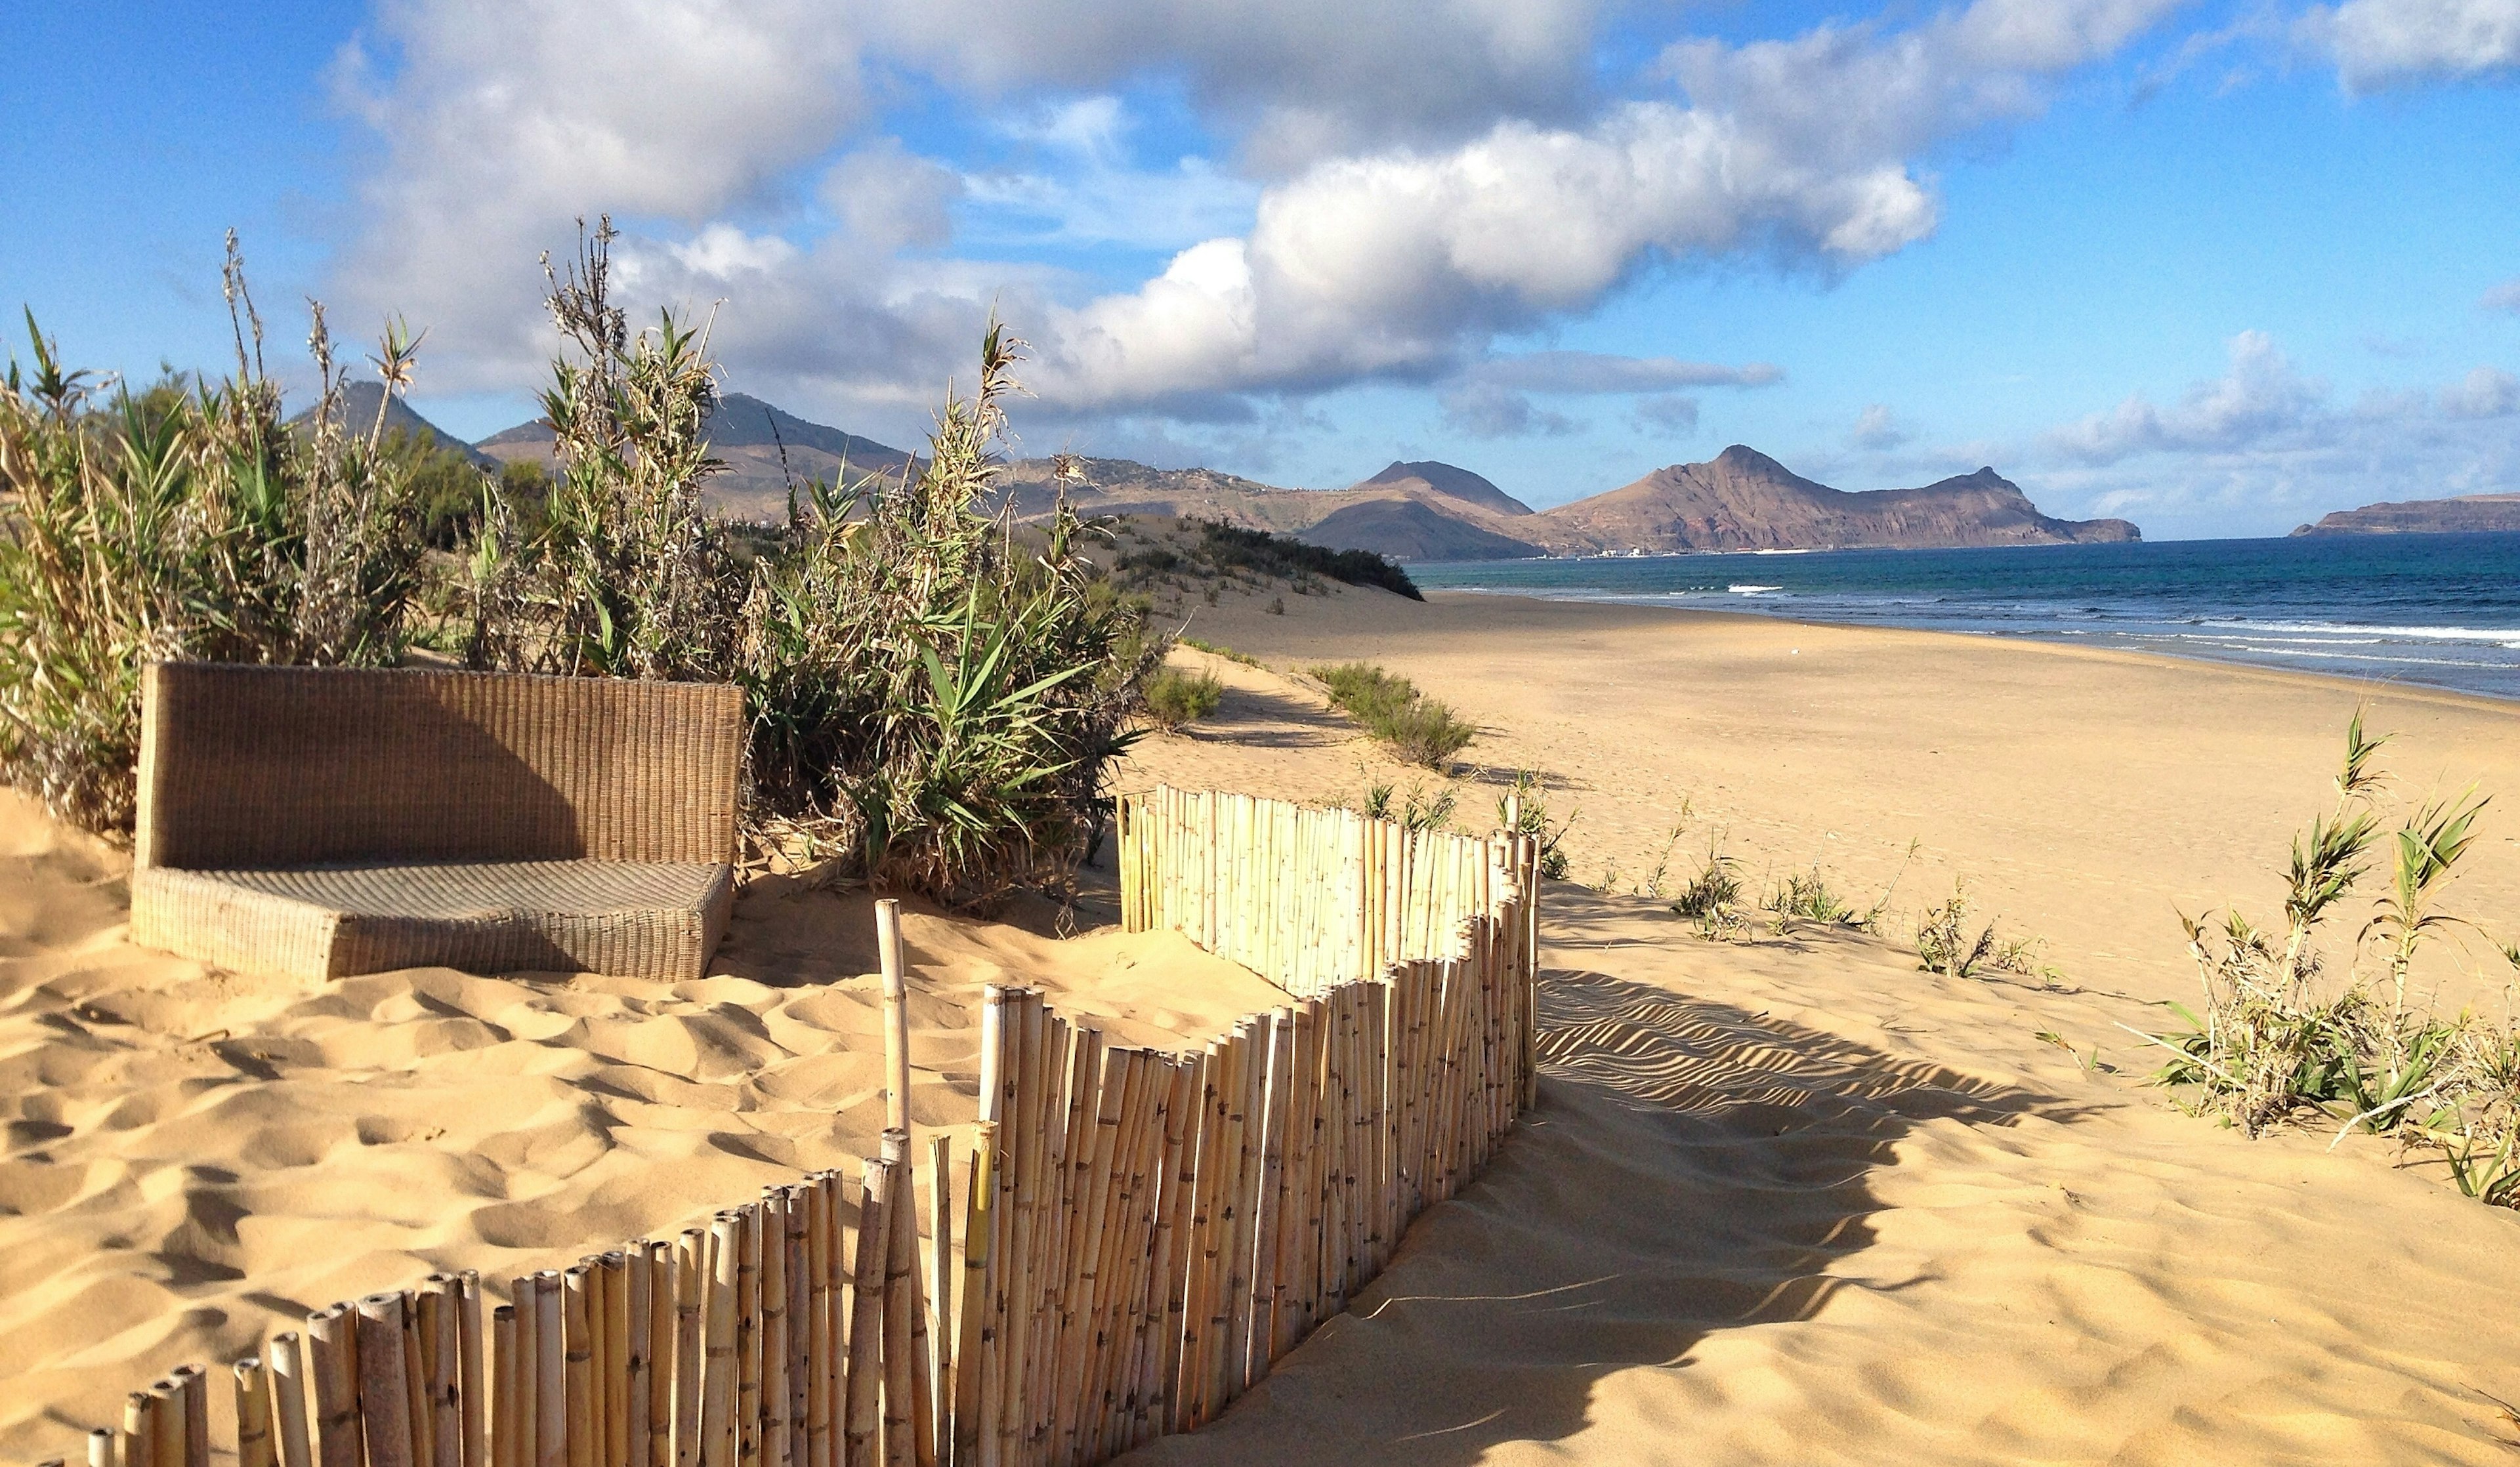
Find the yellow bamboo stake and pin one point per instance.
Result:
(862, 1420)
(384, 1392)
(254, 1447)
(289, 1383)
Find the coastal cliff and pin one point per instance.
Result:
(2468, 515)
(1743, 500)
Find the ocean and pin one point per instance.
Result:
(2437, 610)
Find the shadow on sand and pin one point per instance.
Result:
(1691, 1168)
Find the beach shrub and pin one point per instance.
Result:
(1717, 884)
(933, 697)
(1215, 651)
(2275, 1043)
(183, 521)
(1230, 548)
(1415, 810)
(1942, 942)
(1807, 895)
(1417, 729)
(1522, 811)
(1174, 698)
(1712, 900)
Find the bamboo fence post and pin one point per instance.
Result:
(195, 1388)
(1335, 1135)
(1245, 1126)
(136, 1439)
(288, 1398)
(252, 1416)
(503, 1401)
(665, 1352)
(900, 1260)
(166, 1422)
(720, 1353)
(139, 1429)
(1270, 1226)
(1312, 1184)
(977, 1377)
(896, 1016)
(419, 1344)
(446, 1371)
(748, 1336)
(863, 1418)
(102, 1442)
(977, 1326)
(940, 1324)
(771, 1282)
(1382, 1195)
(652, 1352)
(384, 1389)
(551, 1371)
(332, 1336)
(1226, 1279)
(608, 1311)
(580, 1318)
(905, 1317)
(601, 1387)
(820, 1344)
(1016, 1306)
(798, 1266)
(473, 1388)
(639, 1302)
(526, 1371)
(691, 1295)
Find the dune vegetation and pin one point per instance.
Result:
(934, 694)
(2282, 1041)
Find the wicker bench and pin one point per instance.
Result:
(324, 821)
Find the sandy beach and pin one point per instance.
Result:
(1787, 1200)
(2084, 797)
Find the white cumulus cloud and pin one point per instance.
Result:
(2259, 399)
(2379, 43)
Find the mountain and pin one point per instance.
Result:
(1415, 512)
(1411, 509)
(1429, 477)
(1412, 529)
(1743, 500)
(750, 435)
(2467, 515)
(359, 411)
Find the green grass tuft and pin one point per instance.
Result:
(1174, 698)
(1419, 729)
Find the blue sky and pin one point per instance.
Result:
(2216, 268)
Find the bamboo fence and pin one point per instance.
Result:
(1142, 1234)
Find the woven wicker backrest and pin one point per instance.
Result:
(250, 766)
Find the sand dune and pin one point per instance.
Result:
(195, 1159)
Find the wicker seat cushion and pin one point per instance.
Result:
(633, 918)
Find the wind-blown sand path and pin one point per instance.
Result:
(1799, 1203)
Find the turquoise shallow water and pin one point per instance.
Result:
(2438, 610)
